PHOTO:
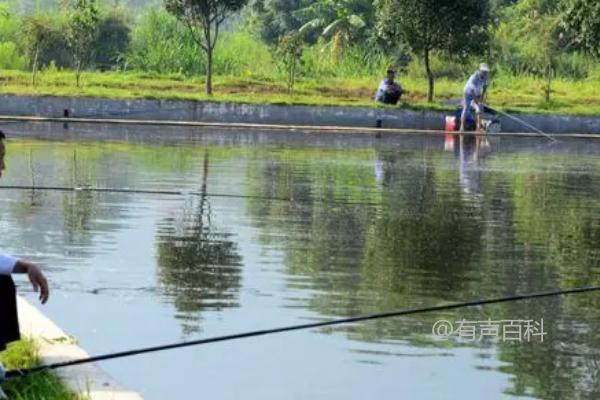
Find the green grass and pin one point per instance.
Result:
(42, 386)
(517, 94)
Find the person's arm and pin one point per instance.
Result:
(10, 265)
(7, 263)
(380, 91)
(483, 93)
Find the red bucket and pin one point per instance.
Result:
(450, 124)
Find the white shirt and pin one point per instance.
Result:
(7, 263)
(475, 85)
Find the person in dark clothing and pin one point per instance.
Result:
(389, 91)
(9, 323)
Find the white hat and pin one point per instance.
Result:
(484, 67)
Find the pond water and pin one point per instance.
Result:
(268, 234)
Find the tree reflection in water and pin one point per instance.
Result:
(199, 265)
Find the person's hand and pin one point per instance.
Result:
(39, 282)
(36, 277)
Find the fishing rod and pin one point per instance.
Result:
(17, 373)
(173, 193)
(519, 120)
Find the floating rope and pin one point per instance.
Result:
(24, 372)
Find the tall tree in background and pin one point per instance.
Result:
(82, 33)
(454, 27)
(113, 40)
(38, 33)
(275, 18)
(204, 18)
(582, 20)
(529, 40)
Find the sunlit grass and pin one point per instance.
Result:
(521, 94)
(42, 386)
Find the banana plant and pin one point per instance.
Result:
(339, 22)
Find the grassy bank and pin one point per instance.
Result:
(43, 386)
(521, 94)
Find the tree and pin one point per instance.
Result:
(457, 28)
(341, 22)
(38, 33)
(275, 18)
(289, 52)
(204, 18)
(113, 39)
(200, 265)
(530, 40)
(82, 33)
(582, 20)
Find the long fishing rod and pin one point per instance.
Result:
(172, 193)
(24, 372)
(519, 120)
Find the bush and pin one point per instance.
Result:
(442, 67)
(355, 61)
(240, 54)
(160, 43)
(113, 41)
(49, 33)
(11, 57)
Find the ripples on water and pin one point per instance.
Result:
(366, 229)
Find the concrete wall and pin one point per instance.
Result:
(269, 114)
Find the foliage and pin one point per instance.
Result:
(10, 57)
(204, 19)
(274, 18)
(582, 19)
(39, 33)
(529, 40)
(82, 33)
(339, 22)
(113, 40)
(161, 44)
(43, 386)
(289, 52)
(428, 25)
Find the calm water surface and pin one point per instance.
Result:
(308, 233)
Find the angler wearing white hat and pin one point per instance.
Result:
(474, 95)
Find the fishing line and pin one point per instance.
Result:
(525, 123)
(28, 371)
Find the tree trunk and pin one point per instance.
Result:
(78, 73)
(548, 88)
(209, 61)
(429, 77)
(35, 66)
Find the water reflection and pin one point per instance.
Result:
(441, 234)
(199, 265)
(368, 230)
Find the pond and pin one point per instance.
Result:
(269, 232)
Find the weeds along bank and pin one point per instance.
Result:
(43, 386)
